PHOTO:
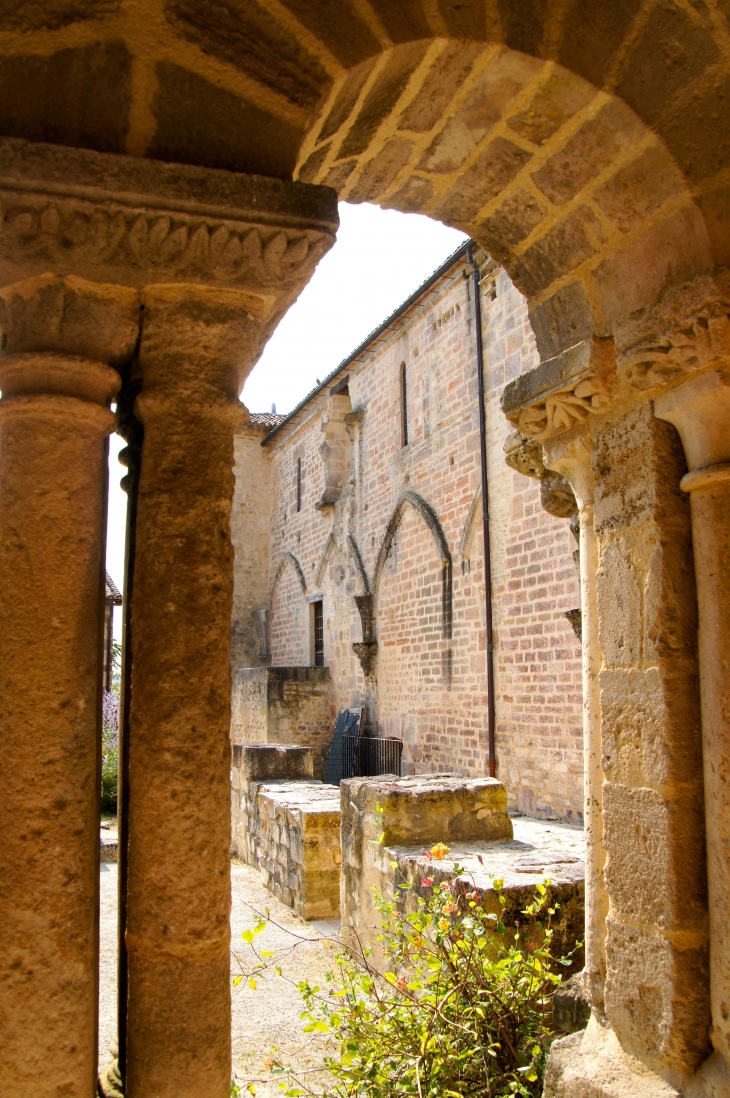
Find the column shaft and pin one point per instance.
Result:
(52, 486)
(179, 1024)
(710, 501)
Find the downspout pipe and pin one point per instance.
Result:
(491, 712)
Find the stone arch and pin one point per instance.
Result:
(418, 503)
(560, 136)
(288, 623)
(467, 537)
(357, 557)
(324, 560)
(287, 558)
(563, 184)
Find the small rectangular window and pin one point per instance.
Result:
(404, 402)
(299, 484)
(318, 613)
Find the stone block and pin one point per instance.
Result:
(430, 808)
(289, 830)
(657, 998)
(257, 762)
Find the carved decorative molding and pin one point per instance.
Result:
(121, 220)
(686, 331)
(562, 392)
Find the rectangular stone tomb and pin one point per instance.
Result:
(470, 817)
(287, 825)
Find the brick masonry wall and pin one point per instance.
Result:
(430, 688)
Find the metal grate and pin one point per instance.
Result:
(366, 756)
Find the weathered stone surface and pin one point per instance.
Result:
(264, 761)
(290, 830)
(540, 850)
(55, 419)
(592, 1064)
(283, 705)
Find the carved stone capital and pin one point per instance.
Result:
(563, 391)
(686, 331)
(131, 221)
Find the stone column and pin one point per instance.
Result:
(643, 696)
(700, 410)
(197, 346)
(218, 257)
(58, 336)
(572, 459)
(179, 1027)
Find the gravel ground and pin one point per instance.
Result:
(263, 1018)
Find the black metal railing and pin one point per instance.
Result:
(366, 756)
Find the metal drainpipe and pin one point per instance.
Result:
(491, 715)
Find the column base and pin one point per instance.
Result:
(712, 1080)
(592, 1064)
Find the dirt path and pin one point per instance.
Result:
(263, 1018)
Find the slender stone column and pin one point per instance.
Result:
(700, 410)
(56, 387)
(572, 459)
(198, 344)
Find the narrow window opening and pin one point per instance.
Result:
(318, 614)
(299, 484)
(404, 401)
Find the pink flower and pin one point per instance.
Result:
(426, 882)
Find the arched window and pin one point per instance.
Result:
(404, 402)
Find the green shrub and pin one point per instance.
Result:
(464, 1008)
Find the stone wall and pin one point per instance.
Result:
(287, 825)
(402, 527)
(250, 537)
(282, 705)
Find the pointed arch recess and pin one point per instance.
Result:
(287, 558)
(324, 560)
(427, 513)
(357, 557)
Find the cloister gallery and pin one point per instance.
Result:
(169, 176)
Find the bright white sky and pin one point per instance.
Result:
(379, 259)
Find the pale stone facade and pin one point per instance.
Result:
(355, 513)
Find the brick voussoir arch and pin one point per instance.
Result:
(418, 503)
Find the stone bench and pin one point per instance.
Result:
(287, 825)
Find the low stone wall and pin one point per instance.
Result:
(470, 817)
(282, 705)
(287, 825)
